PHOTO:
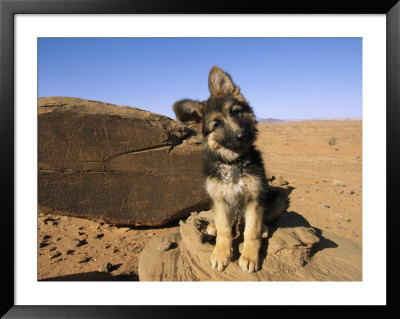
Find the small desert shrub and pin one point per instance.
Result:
(332, 140)
(338, 182)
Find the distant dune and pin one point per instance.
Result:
(337, 119)
(312, 119)
(269, 120)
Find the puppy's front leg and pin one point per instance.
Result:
(249, 260)
(223, 248)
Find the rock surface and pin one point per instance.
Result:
(117, 163)
(294, 251)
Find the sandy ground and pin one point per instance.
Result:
(327, 181)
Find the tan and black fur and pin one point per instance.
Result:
(233, 169)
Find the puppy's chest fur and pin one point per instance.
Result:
(234, 186)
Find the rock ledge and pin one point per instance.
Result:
(294, 251)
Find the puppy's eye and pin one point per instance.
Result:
(236, 110)
(215, 125)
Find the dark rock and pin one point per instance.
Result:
(84, 260)
(75, 242)
(97, 236)
(83, 242)
(125, 166)
(58, 254)
(50, 221)
(106, 267)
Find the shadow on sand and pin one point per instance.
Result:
(293, 219)
(94, 276)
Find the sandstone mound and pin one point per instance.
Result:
(294, 251)
(117, 163)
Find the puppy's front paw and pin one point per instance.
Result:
(248, 264)
(220, 258)
(249, 260)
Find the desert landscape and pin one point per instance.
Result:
(320, 161)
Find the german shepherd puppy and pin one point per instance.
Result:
(233, 168)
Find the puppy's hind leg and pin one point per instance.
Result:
(211, 230)
(264, 231)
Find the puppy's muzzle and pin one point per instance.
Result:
(241, 135)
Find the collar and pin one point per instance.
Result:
(232, 171)
(240, 162)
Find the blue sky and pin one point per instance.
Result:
(284, 78)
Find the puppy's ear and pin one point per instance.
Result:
(221, 85)
(189, 112)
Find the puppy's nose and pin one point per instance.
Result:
(241, 135)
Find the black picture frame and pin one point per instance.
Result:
(8, 8)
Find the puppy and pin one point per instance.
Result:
(233, 169)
